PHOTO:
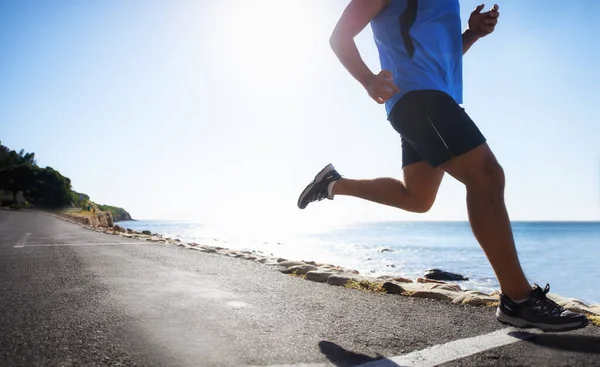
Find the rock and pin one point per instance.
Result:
(318, 276)
(402, 280)
(424, 280)
(477, 293)
(385, 277)
(338, 279)
(393, 288)
(250, 257)
(385, 250)
(281, 259)
(288, 264)
(435, 294)
(438, 274)
(118, 228)
(299, 269)
(129, 230)
(147, 233)
(446, 287)
(177, 240)
(595, 309)
(391, 266)
(310, 263)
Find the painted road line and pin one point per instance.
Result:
(442, 353)
(453, 350)
(23, 240)
(78, 244)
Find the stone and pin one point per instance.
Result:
(437, 274)
(281, 259)
(478, 293)
(446, 287)
(118, 228)
(402, 280)
(147, 233)
(393, 288)
(435, 294)
(318, 276)
(385, 277)
(425, 280)
(299, 269)
(288, 263)
(595, 309)
(338, 279)
(385, 250)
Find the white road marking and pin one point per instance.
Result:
(78, 244)
(456, 349)
(236, 304)
(23, 240)
(442, 353)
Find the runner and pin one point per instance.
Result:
(421, 45)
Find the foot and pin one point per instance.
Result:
(539, 312)
(317, 190)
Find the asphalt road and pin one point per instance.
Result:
(71, 296)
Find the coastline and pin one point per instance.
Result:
(334, 275)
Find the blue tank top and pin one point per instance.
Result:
(420, 42)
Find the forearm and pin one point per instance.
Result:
(468, 40)
(346, 51)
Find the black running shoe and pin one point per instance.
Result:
(539, 312)
(317, 189)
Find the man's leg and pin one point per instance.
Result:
(484, 179)
(416, 193)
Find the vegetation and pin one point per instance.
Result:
(118, 214)
(44, 187)
(366, 285)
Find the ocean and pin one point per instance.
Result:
(564, 254)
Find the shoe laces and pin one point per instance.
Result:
(318, 195)
(545, 304)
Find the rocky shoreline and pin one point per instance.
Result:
(338, 276)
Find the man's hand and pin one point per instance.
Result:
(381, 87)
(482, 24)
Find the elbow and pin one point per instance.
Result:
(336, 41)
(333, 41)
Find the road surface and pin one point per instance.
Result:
(70, 296)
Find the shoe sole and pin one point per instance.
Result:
(317, 178)
(520, 323)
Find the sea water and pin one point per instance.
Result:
(564, 254)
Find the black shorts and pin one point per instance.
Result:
(433, 127)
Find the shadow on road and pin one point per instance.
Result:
(573, 343)
(345, 358)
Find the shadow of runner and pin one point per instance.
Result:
(568, 342)
(345, 358)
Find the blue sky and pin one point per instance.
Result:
(223, 111)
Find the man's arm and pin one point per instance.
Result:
(480, 25)
(468, 40)
(354, 19)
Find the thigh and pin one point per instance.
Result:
(422, 180)
(436, 127)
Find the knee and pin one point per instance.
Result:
(489, 175)
(421, 204)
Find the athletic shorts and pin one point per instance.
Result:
(433, 127)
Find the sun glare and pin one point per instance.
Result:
(269, 43)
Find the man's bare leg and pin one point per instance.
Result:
(416, 194)
(484, 180)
